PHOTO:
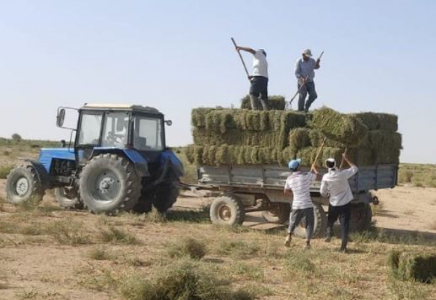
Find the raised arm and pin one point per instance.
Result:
(317, 64)
(352, 170)
(246, 49)
(314, 170)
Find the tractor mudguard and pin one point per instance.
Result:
(140, 163)
(41, 172)
(176, 166)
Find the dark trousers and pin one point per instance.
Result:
(259, 91)
(297, 215)
(343, 213)
(308, 88)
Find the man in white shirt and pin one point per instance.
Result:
(335, 185)
(298, 186)
(259, 79)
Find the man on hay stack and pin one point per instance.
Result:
(258, 79)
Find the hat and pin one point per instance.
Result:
(293, 164)
(331, 161)
(307, 52)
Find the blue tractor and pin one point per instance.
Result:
(119, 162)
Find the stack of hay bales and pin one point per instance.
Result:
(242, 136)
(412, 265)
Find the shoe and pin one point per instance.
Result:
(328, 239)
(288, 241)
(307, 246)
(343, 250)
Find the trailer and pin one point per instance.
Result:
(240, 189)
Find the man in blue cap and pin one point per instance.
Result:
(298, 186)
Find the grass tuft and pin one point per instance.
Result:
(69, 232)
(118, 236)
(99, 254)
(181, 280)
(190, 247)
(238, 249)
(5, 170)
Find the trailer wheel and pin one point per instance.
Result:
(319, 226)
(361, 216)
(227, 210)
(23, 185)
(68, 198)
(109, 184)
(277, 213)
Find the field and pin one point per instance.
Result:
(49, 253)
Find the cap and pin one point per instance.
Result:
(330, 161)
(293, 164)
(263, 51)
(307, 52)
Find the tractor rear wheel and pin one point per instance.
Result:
(68, 198)
(24, 185)
(165, 196)
(109, 183)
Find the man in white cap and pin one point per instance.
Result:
(298, 186)
(305, 72)
(259, 79)
(335, 185)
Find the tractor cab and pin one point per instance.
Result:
(102, 127)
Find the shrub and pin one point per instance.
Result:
(16, 137)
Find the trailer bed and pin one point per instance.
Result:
(274, 177)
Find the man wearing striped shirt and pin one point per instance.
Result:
(335, 185)
(298, 186)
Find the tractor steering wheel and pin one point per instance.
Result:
(114, 138)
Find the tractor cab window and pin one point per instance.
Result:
(116, 128)
(148, 134)
(90, 129)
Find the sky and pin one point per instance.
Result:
(177, 55)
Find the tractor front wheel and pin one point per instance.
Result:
(68, 198)
(23, 185)
(109, 184)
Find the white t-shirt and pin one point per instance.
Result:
(260, 65)
(299, 182)
(335, 183)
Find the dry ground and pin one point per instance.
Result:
(47, 253)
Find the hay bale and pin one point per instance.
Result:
(237, 137)
(343, 128)
(276, 102)
(387, 122)
(419, 266)
(378, 121)
(316, 138)
(222, 120)
(299, 138)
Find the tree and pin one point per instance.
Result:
(16, 137)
